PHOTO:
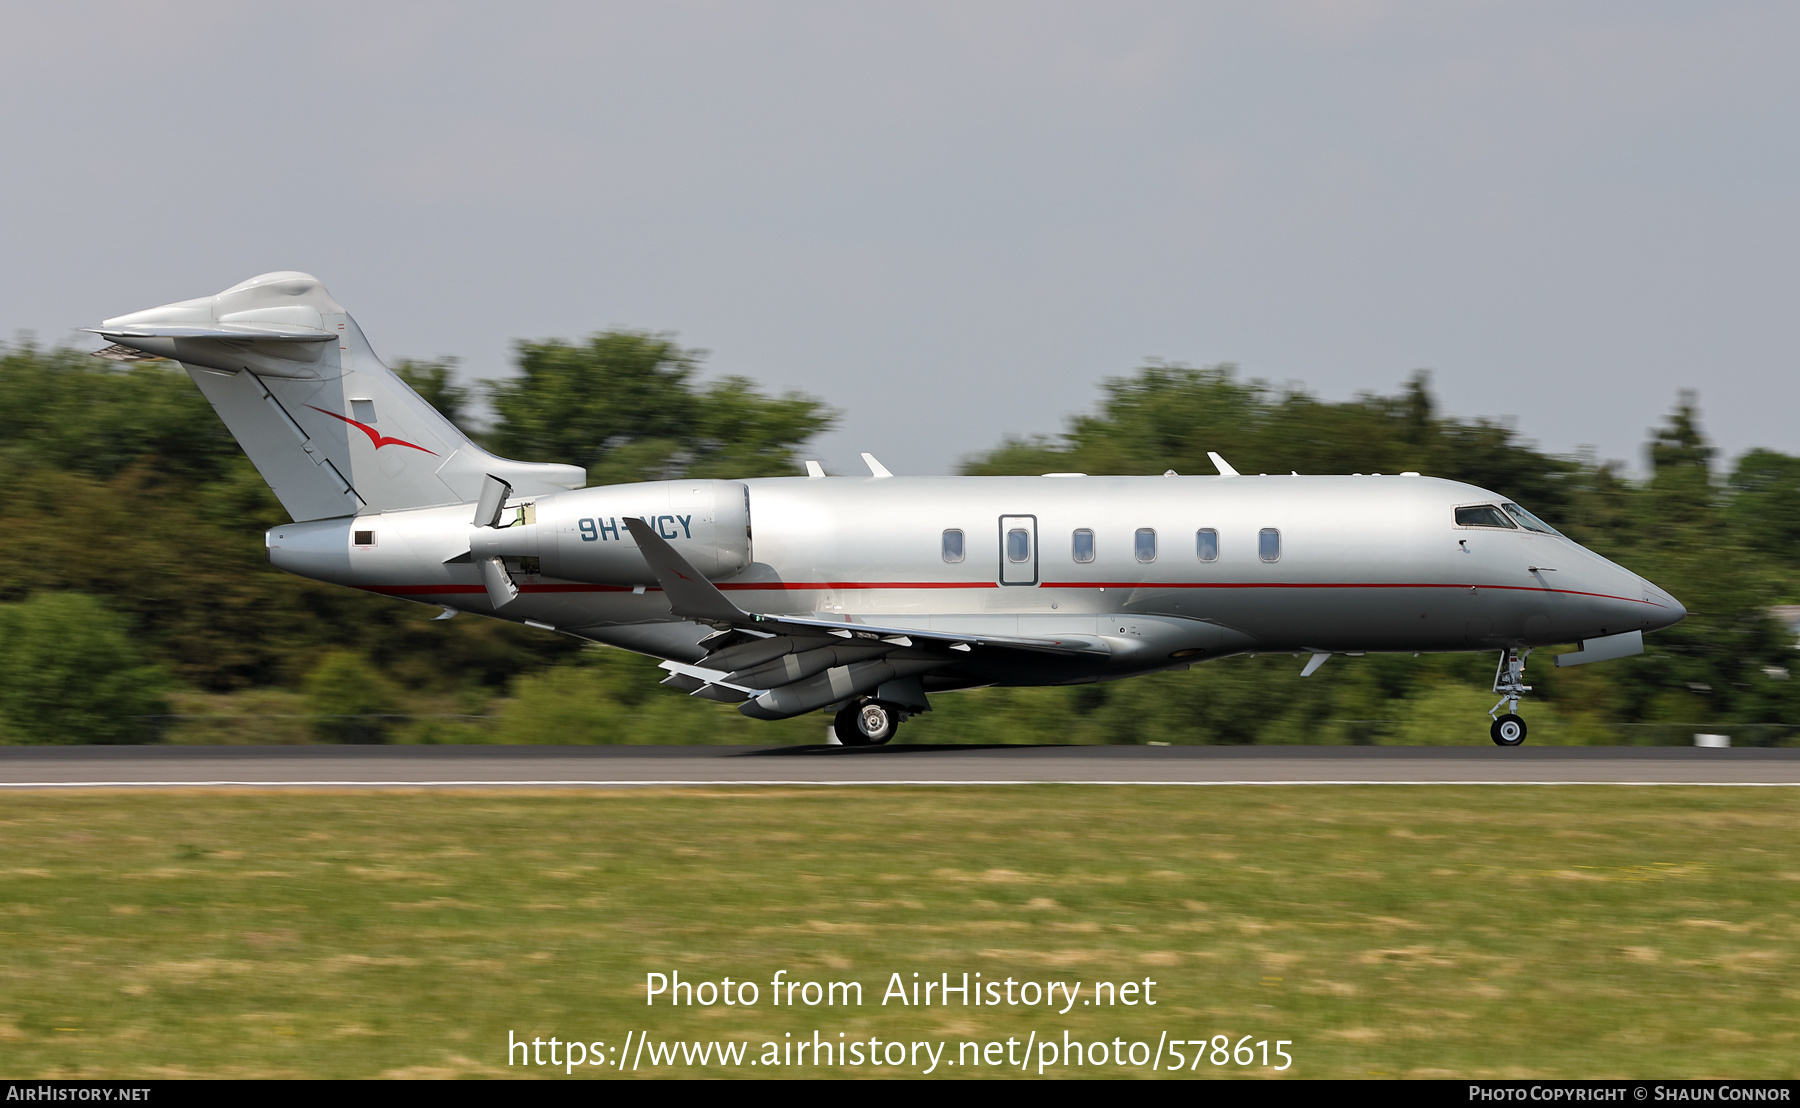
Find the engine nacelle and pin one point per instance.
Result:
(581, 535)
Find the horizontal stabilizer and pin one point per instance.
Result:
(120, 353)
(259, 332)
(327, 424)
(692, 596)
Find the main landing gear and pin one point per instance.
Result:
(866, 723)
(1509, 682)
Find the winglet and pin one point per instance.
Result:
(1223, 466)
(690, 594)
(876, 469)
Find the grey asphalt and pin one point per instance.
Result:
(608, 766)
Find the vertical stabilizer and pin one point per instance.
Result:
(331, 429)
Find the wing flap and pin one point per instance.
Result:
(797, 663)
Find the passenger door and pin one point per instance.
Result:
(1018, 550)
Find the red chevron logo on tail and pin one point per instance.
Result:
(380, 440)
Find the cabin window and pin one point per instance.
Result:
(1268, 544)
(1483, 515)
(1018, 545)
(1084, 545)
(953, 545)
(1529, 521)
(1206, 544)
(1143, 544)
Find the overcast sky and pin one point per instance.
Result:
(951, 220)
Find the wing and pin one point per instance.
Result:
(776, 666)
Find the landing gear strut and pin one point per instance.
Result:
(1509, 682)
(866, 723)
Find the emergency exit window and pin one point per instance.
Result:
(1018, 545)
(1084, 545)
(953, 545)
(1268, 544)
(1143, 544)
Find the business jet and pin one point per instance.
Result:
(864, 595)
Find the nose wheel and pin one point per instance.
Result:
(1509, 682)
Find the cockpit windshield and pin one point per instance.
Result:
(1482, 515)
(1530, 522)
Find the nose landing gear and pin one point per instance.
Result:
(1509, 682)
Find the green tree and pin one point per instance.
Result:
(70, 412)
(625, 405)
(128, 487)
(350, 700)
(1728, 561)
(1715, 665)
(70, 672)
(1681, 477)
(1168, 416)
(1678, 446)
(1763, 509)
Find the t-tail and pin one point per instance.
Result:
(331, 429)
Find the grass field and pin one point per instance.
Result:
(1394, 931)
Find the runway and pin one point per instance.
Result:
(639, 766)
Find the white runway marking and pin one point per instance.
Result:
(735, 782)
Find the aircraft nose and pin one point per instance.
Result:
(1665, 610)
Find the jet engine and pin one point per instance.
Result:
(581, 535)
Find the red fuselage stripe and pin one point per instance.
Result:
(787, 586)
(802, 586)
(1306, 585)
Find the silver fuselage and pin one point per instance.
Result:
(788, 595)
(1363, 563)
